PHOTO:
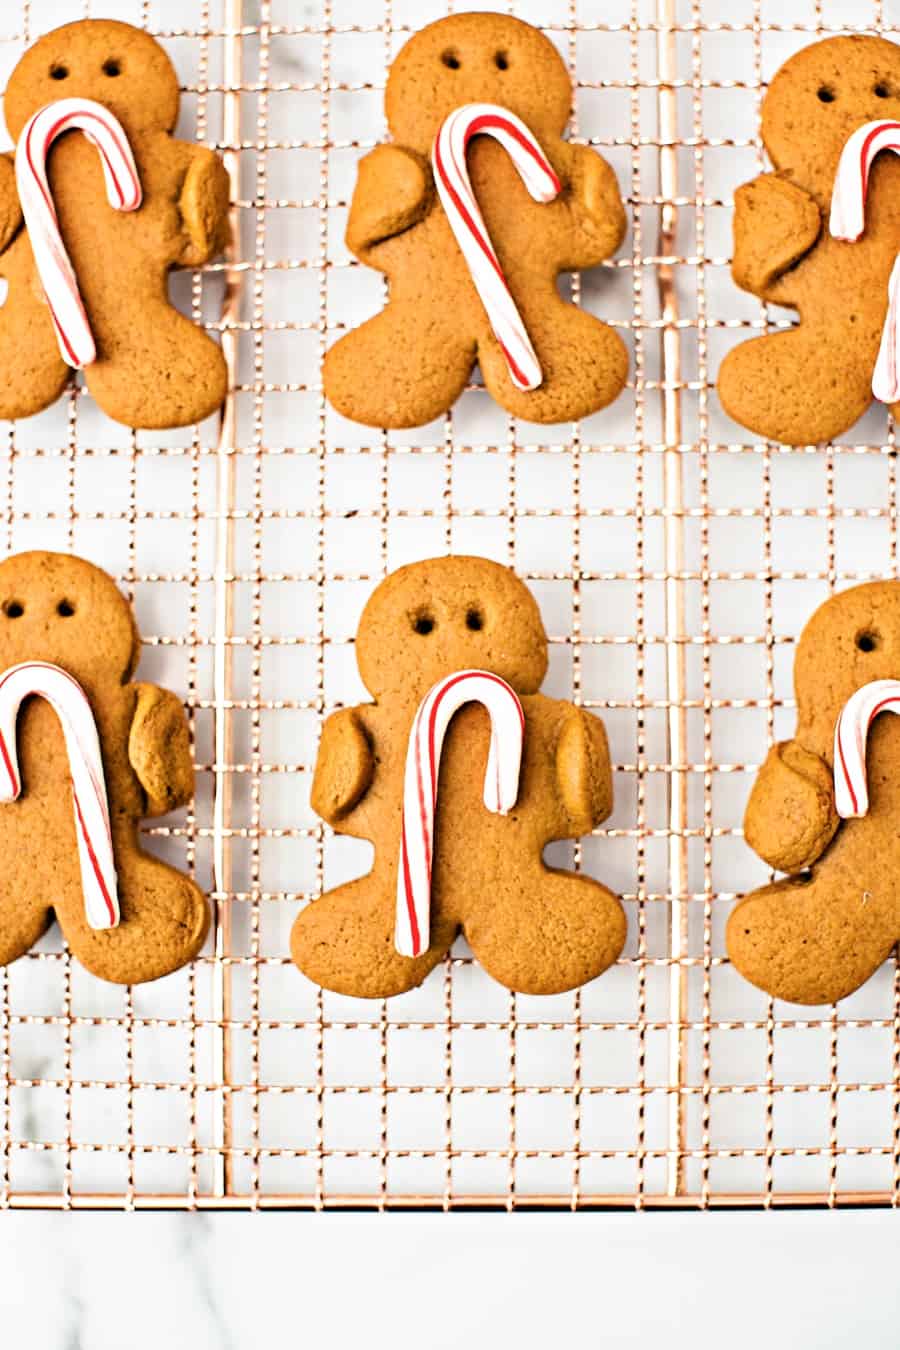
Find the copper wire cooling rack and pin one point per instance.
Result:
(675, 561)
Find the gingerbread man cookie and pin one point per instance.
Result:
(460, 772)
(828, 800)
(821, 235)
(99, 202)
(471, 213)
(84, 755)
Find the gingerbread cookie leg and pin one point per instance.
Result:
(810, 942)
(21, 924)
(584, 363)
(345, 941)
(559, 931)
(32, 372)
(401, 369)
(164, 921)
(176, 374)
(783, 386)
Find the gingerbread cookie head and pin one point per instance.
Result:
(820, 97)
(476, 58)
(112, 63)
(67, 612)
(431, 618)
(858, 631)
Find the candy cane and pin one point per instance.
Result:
(92, 829)
(851, 796)
(847, 221)
(423, 757)
(123, 191)
(451, 177)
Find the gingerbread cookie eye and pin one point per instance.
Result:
(13, 609)
(501, 60)
(65, 609)
(882, 90)
(451, 60)
(825, 93)
(867, 641)
(474, 619)
(59, 72)
(423, 624)
(112, 68)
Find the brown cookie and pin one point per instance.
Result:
(816, 938)
(153, 367)
(536, 929)
(64, 611)
(811, 383)
(411, 362)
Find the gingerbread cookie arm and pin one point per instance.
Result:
(10, 206)
(595, 206)
(159, 749)
(344, 766)
(203, 205)
(775, 224)
(583, 770)
(791, 817)
(394, 190)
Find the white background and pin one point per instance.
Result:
(457, 1282)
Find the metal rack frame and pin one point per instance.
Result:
(668, 1141)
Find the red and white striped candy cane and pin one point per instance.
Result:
(69, 701)
(448, 158)
(123, 190)
(851, 795)
(848, 220)
(423, 757)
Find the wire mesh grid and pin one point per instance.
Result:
(675, 562)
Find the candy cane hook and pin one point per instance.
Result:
(847, 221)
(851, 794)
(423, 757)
(92, 828)
(123, 191)
(451, 176)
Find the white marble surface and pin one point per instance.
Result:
(237, 1282)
